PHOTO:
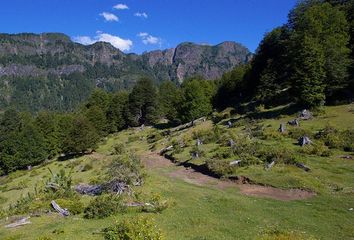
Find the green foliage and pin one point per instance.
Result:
(21, 143)
(140, 228)
(81, 137)
(155, 204)
(143, 103)
(169, 98)
(117, 111)
(119, 149)
(126, 168)
(197, 95)
(75, 206)
(58, 185)
(104, 206)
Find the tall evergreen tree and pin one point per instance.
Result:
(117, 111)
(143, 105)
(196, 99)
(169, 97)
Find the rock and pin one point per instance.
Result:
(304, 141)
(294, 122)
(199, 142)
(231, 143)
(305, 115)
(234, 163)
(270, 165)
(282, 128)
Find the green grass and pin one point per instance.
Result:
(207, 212)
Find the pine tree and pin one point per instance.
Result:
(117, 111)
(196, 99)
(143, 105)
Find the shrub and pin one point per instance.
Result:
(223, 153)
(126, 168)
(75, 206)
(317, 149)
(140, 228)
(154, 137)
(104, 206)
(348, 140)
(276, 153)
(118, 149)
(330, 136)
(297, 132)
(219, 167)
(156, 204)
(86, 167)
(207, 135)
(59, 185)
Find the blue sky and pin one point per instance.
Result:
(143, 25)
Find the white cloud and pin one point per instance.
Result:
(149, 39)
(85, 40)
(116, 41)
(141, 14)
(109, 17)
(121, 6)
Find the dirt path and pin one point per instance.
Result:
(155, 161)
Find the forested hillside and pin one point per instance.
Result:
(50, 72)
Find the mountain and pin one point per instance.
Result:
(49, 71)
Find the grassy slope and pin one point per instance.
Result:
(211, 213)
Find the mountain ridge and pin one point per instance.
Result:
(51, 61)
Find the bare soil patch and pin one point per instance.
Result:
(155, 161)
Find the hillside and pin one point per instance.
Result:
(282, 202)
(49, 71)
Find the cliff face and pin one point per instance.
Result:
(48, 59)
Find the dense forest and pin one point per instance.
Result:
(308, 62)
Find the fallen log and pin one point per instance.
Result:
(302, 166)
(63, 212)
(18, 223)
(92, 190)
(234, 163)
(166, 149)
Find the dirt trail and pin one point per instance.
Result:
(155, 161)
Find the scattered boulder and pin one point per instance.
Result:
(270, 165)
(305, 115)
(304, 141)
(199, 142)
(195, 155)
(294, 122)
(231, 143)
(235, 163)
(229, 124)
(282, 128)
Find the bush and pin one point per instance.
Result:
(219, 167)
(140, 228)
(75, 206)
(104, 206)
(156, 204)
(276, 153)
(154, 137)
(317, 149)
(127, 169)
(118, 149)
(330, 136)
(348, 140)
(86, 167)
(297, 132)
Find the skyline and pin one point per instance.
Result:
(138, 26)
